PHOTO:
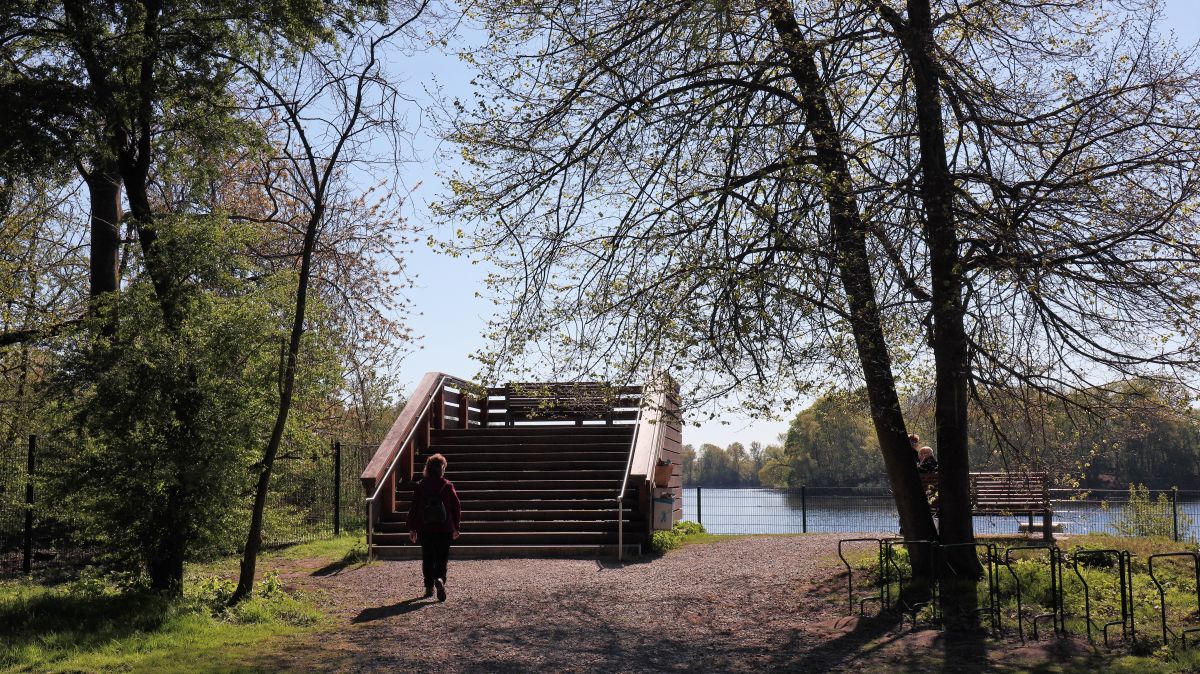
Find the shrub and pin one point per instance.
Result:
(662, 541)
(1144, 516)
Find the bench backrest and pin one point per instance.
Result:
(1009, 492)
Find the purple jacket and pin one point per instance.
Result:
(429, 488)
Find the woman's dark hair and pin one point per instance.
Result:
(435, 466)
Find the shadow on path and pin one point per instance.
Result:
(839, 649)
(400, 608)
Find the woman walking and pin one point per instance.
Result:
(433, 521)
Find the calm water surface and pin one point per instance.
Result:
(772, 511)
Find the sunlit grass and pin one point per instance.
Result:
(96, 625)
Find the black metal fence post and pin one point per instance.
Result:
(27, 557)
(337, 488)
(699, 519)
(1175, 512)
(803, 509)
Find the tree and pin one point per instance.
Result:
(330, 118)
(1026, 127)
(143, 99)
(167, 421)
(668, 187)
(831, 444)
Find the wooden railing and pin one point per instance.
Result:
(439, 401)
(657, 435)
(542, 403)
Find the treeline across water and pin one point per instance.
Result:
(1127, 433)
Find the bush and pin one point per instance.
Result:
(662, 541)
(1144, 516)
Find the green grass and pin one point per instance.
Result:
(1032, 568)
(95, 625)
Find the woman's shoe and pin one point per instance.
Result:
(428, 592)
(441, 589)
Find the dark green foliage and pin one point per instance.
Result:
(733, 466)
(1132, 433)
(170, 421)
(830, 444)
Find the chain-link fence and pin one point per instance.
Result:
(1166, 513)
(314, 495)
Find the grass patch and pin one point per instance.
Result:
(325, 555)
(683, 533)
(94, 626)
(1032, 568)
(99, 625)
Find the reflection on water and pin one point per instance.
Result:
(777, 511)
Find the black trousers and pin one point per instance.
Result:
(435, 552)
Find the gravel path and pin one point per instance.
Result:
(743, 604)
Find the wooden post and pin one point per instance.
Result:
(27, 557)
(464, 410)
(390, 498)
(483, 409)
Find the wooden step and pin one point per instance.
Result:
(496, 476)
(407, 552)
(535, 431)
(500, 504)
(516, 525)
(533, 495)
(529, 488)
(542, 515)
(518, 537)
(526, 461)
(582, 444)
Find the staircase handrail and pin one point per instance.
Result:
(406, 424)
(633, 443)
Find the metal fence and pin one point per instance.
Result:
(314, 495)
(1167, 513)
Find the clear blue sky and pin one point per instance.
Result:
(447, 316)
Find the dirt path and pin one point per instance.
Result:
(744, 604)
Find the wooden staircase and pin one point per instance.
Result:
(529, 490)
(532, 483)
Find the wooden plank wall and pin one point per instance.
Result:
(672, 448)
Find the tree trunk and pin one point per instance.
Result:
(104, 192)
(165, 566)
(858, 283)
(254, 538)
(949, 339)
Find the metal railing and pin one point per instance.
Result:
(420, 421)
(637, 426)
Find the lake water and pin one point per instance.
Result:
(776, 511)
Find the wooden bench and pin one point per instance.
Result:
(1008, 494)
(578, 402)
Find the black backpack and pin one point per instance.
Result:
(433, 511)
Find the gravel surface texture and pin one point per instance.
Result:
(742, 604)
